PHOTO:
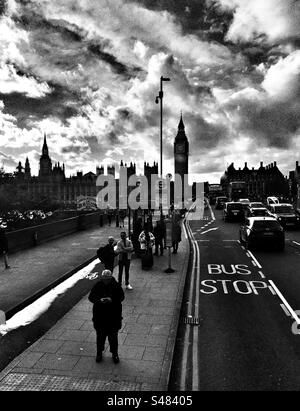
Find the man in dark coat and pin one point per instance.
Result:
(4, 244)
(107, 254)
(107, 296)
(176, 236)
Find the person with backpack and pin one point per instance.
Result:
(107, 254)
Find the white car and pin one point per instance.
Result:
(272, 200)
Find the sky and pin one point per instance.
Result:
(86, 73)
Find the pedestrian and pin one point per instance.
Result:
(122, 215)
(124, 249)
(146, 240)
(4, 244)
(107, 254)
(176, 236)
(107, 296)
(159, 236)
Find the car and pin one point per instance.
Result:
(285, 214)
(233, 211)
(258, 231)
(272, 200)
(220, 202)
(257, 212)
(245, 202)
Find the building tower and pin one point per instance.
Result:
(27, 169)
(45, 161)
(181, 151)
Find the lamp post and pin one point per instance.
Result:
(160, 98)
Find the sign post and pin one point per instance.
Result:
(169, 245)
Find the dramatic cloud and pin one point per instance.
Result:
(87, 73)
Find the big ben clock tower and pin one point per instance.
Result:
(181, 151)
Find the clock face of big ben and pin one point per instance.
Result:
(180, 148)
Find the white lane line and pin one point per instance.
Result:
(289, 308)
(257, 263)
(204, 241)
(231, 240)
(211, 212)
(254, 263)
(261, 274)
(285, 310)
(272, 290)
(248, 255)
(211, 229)
(295, 242)
(195, 385)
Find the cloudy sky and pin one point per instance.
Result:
(87, 72)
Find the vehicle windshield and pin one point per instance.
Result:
(235, 206)
(284, 209)
(222, 198)
(268, 224)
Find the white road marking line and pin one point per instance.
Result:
(292, 312)
(203, 241)
(261, 274)
(272, 290)
(211, 229)
(248, 255)
(295, 242)
(257, 263)
(285, 310)
(231, 240)
(254, 263)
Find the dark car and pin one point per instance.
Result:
(220, 202)
(266, 231)
(285, 214)
(233, 211)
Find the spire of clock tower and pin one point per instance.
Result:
(181, 150)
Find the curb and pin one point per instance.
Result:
(176, 317)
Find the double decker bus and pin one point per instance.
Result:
(215, 190)
(236, 190)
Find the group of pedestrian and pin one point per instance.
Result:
(107, 295)
(123, 249)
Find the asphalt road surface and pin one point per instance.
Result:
(244, 305)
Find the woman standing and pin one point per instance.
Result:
(147, 240)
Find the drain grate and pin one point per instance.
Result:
(191, 320)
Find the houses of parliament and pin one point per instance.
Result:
(51, 184)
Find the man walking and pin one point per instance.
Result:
(124, 249)
(107, 296)
(107, 254)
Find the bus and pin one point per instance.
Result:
(215, 190)
(236, 190)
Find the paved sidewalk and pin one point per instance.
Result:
(35, 268)
(64, 358)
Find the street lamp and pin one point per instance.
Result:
(160, 98)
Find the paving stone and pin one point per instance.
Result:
(31, 359)
(47, 346)
(56, 362)
(77, 348)
(74, 335)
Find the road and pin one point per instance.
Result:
(243, 304)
